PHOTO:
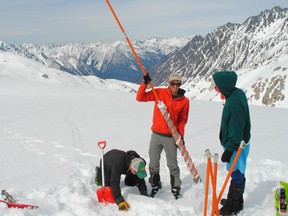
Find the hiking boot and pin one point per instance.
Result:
(234, 202)
(155, 189)
(240, 207)
(176, 192)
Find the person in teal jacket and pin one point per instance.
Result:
(235, 127)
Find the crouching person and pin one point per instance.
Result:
(116, 163)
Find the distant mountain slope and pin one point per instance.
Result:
(262, 85)
(15, 69)
(104, 60)
(258, 43)
(265, 85)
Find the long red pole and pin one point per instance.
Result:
(132, 48)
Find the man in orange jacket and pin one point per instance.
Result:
(178, 107)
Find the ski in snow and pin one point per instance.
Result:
(10, 202)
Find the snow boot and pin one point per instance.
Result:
(223, 201)
(155, 184)
(155, 189)
(174, 189)
(176, 192)
(234, 202)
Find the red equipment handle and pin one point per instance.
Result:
(102, 144)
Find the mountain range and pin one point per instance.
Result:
(257, 50)
(259, 41)
(104, 60)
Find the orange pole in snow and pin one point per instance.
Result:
(213, 177)
(215, 209)
(208, 155)
(230, 171)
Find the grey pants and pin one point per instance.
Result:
(157, 144)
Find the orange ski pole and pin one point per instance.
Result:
(231, 170)
(215, 209)
(178, 140)
(209, 173)
(212, 178)
(208, 155)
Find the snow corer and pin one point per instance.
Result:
(10, 202)
(176, 135)
(104, 194)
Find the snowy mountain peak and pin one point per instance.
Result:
(259, 43)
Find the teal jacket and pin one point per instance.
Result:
(235, 122)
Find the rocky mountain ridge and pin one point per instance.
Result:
(258, 43)
(104, 60)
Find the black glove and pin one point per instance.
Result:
(226, 156)
(147, 78)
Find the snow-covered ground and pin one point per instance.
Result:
(51, 122)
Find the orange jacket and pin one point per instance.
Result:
(177, 107)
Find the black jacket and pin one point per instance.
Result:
(116, 163)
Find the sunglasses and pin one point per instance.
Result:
(173, 84)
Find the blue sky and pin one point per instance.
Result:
(90, 21)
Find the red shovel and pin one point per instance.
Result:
(104, 194)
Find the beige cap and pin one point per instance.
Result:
(174, 77)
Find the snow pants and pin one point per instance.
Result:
(159, 142)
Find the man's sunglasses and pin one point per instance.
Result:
(173, 84)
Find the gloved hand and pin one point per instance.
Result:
(123, 206)
(226, 156)
(147, 78)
